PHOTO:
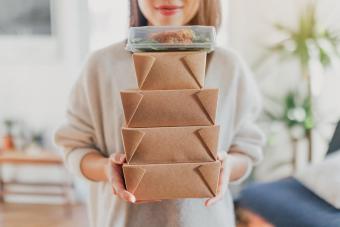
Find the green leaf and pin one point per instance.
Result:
(324, 58)
(301, 42)
(283, 28)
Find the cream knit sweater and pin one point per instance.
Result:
(94, 121)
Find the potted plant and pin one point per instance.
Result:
(8, 139)
(36, 145)
(291, 111)
(308, 43)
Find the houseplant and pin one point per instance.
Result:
(8, 139)
(306, 44)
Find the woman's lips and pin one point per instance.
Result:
(168, 10)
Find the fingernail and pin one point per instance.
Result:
(133, 199)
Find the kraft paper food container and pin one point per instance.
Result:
(170, 144)
(169, 108)
(171, 38)
(170, 70)
(172, 181)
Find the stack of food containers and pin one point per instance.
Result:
(170, 137)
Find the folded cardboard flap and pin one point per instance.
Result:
(172, 181)
(170, 70)
(170, 144)
(162, 108)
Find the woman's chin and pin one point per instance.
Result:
(169, 21)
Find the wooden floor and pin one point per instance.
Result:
(24, 215)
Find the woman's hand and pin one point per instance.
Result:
(234, 166)
(97, 168)
(223, 179)
(114, 175)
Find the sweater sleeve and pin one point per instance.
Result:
(76, 136)
(248, 137)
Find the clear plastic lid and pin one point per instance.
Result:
(171, 38)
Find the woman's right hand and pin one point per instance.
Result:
(114, 173)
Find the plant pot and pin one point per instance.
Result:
(8, 143)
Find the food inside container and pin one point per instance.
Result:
(171, 38)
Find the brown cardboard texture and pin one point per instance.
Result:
(161, 108)
(172, 181)
(170, 70)
(170, 144)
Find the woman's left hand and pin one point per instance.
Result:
(234, 166)
(223, 180)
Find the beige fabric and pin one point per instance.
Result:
(94, 121)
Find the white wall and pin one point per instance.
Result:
(36, 74)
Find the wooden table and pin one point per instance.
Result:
(42, 159)
(17, 157)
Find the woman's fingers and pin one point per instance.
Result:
(116, 172)
(118, 158)
(125, 195)
(117, 175)
(220, 191)
(213, 200)
(118, 184)
(147, 201)
(119, 190)
(116, 178)
(222, 180)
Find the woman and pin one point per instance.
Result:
(91, 137)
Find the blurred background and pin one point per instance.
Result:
(292, 47)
